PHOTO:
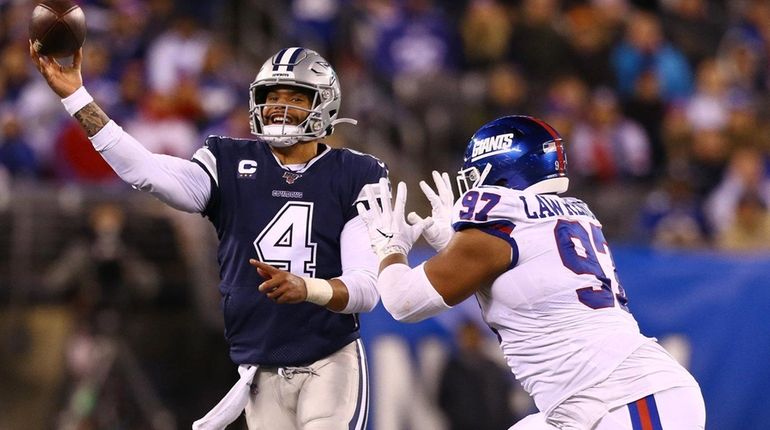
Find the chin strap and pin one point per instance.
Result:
(278, 141)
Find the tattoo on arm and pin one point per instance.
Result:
(92, 118)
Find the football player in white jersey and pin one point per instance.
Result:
(543, 275)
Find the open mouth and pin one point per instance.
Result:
(281, 118)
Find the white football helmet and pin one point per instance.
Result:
(306, 69)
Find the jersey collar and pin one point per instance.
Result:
(303, 167)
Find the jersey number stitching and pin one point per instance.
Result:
(471, 199)
(579, 254)
(285, 241)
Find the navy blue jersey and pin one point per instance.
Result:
(291, 220)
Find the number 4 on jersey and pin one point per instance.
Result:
(285, 241)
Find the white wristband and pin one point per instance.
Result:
(76, 101)
(319, 291)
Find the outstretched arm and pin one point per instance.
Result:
(180, 183)
(92, 118)
(471, 260)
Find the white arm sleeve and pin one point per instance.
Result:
(408, 294)
(359, 267)
(180, 183)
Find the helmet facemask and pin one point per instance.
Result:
(284, 134)
(471, 178)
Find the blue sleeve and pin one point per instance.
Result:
(212, 144)
(368, 170)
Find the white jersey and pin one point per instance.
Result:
(559, 311)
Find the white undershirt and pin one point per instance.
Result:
(180, 183)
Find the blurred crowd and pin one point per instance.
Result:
(664, 107)
(663, 103)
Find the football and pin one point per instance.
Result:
(57, 28)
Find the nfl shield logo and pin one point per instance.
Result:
(291, 177)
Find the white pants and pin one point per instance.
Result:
(330, 394)
(679, 408)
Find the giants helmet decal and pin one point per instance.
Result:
(307, 70)
(518, 152)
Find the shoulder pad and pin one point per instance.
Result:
(487, 204)
(364, 157)
(212, 140)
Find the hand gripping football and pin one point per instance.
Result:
(57, 28)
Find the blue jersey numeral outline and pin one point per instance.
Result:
(585, 262)
(471, 199)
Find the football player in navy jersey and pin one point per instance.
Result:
(296, 266)
(544, 278)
